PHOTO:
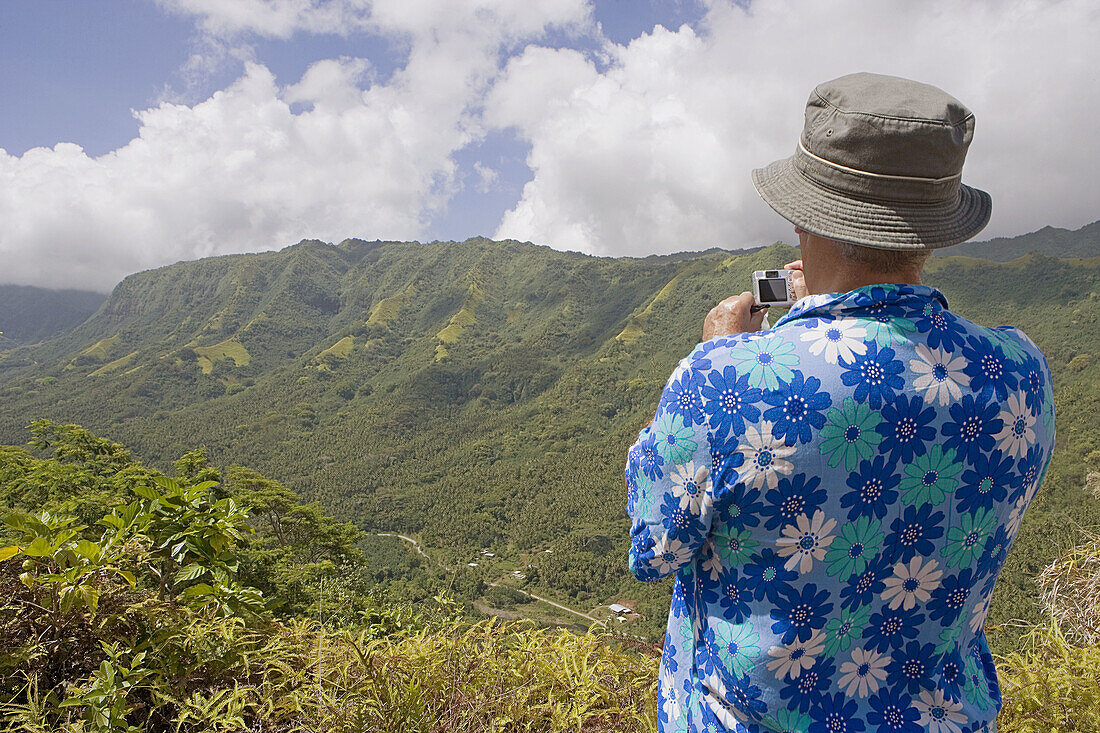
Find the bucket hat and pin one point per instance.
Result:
(879, 163)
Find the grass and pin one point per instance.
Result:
(100, 348)
(388, 308)
(228, 349)
(116, 364)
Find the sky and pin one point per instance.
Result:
(138, 133)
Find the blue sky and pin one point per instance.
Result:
(200, 127)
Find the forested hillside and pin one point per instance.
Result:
(481, 395)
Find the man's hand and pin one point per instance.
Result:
(732, 316)
(798, 279)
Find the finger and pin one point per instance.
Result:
(796, 265)
(756, 320)
(798, 284)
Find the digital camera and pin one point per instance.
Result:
(772, 287)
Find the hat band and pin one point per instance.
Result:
(871, 186)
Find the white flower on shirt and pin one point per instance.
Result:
(862, 675)
(1018, 434)
(912, 583)
(938, 714)
(941, 376)
(791, 659)
(669, 554)
(764, 457)
(713, 564)
(668, 687)
(691, 485)
(836, 339)
(807, 540)
(1016, 516)
(977, 616)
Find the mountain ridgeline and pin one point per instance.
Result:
(481, 395)
(29, 315)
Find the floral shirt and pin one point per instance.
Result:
(836, 497)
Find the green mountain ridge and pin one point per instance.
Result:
(29, 315)
(482, 394)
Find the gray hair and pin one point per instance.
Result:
(884, 260)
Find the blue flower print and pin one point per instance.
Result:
(745, 696)
(906, 428)
(729, 402)
(996, 547)
(793, 496)
(987, 482)
(807, 689)
(861, 588)
(989, 371)
(950, 673)
(891, 627)
(948, 600)
(796, 408)
(913, 533)
(874, 489)
(1032, 384)
(798, 613)
(893, 712)
(739, 507)
(767, 362)
(913, 666)
(972, 429)
(836, 498)
(682, 398)
(836, 713)
(943, 329)
(650, 459)
(876, 375)
(736, 596)
(767, 576)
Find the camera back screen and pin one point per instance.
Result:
(773, 291)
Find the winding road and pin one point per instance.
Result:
(420, 550)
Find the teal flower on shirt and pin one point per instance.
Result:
(976, 686)
(931, 477)
(852, 549)
(675, 441)
(734, 547)
(737, 647)
(788, 721)
(966, 541)
(890, 331)
(849, 433)
(766, 361)
(841, 631)
(1009, 343)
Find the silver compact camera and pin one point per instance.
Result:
(772, 287)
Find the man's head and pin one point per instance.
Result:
(831, 266)
(879, 165)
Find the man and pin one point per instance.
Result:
(836, 495)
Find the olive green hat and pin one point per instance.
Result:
(879, 163)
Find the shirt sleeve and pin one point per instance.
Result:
(669, 496)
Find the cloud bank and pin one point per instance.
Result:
(653, 153)
(634, 149)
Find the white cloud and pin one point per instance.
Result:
(654, 153)
(258, 166)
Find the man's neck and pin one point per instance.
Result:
(841, 280)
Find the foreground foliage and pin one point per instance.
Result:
(135, 601)
(127, 603)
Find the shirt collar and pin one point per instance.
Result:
(831, 305)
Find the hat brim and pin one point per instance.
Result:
(885, 225)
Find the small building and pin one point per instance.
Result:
(619, 609)
(486, 553)
(472, 564)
